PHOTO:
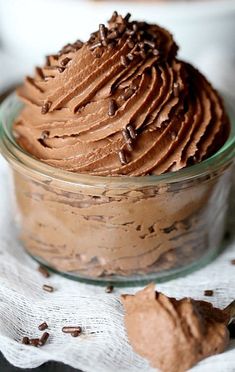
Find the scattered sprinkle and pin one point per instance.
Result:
(72, 329)
(42, 269)
(34, 342)
(43, 339)
(208, 292)
(47, 288)
(109, 289)
(42, 326)
(25, 340)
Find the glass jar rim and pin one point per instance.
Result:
(11, 106)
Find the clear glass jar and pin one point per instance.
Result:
(120, 230)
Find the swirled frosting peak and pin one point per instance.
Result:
(120, 104)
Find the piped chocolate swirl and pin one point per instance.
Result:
(120, 104)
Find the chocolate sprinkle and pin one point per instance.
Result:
(96, 45)
(127, 139)
(78, 44)
(42, 269)
(150, 43)
(127, 17)
(102, 32)
(60, 69)
(155, 52)
(208, 292)
(42, 326)
(43, 339)
(131, 131)
(71, 329)
(47, 288)
(122, 157)
(65, 61)
(114, 15)
(124, 61)
(176, 89)
(109, 289)
(126, 136)
(112, 107)
(34, 341)
(129, 146)
(130, 56)
(25, 340)
(45, 107)
(44, 135)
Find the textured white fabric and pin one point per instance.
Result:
(104, 345)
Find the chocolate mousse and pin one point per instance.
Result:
(174, 334)
(121, 104)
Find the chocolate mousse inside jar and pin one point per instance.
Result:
(121, 157)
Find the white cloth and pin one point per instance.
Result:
(104, 345)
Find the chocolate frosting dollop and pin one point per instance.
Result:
(174, 334)
(120, 104)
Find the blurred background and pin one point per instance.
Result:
(31, 29)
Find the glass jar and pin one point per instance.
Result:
(120, 230)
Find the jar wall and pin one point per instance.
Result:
(135, 233)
